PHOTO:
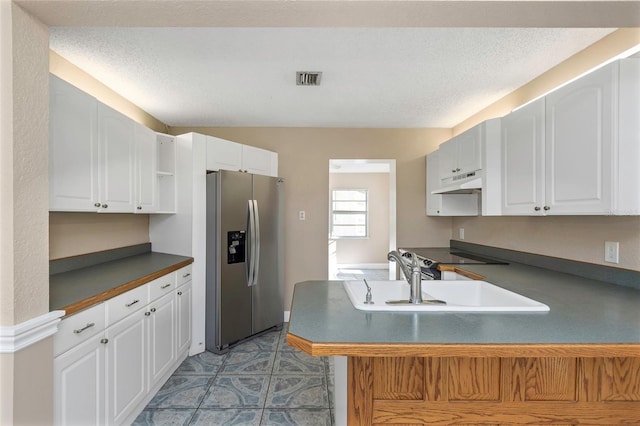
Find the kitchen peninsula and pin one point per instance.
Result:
(579, 363)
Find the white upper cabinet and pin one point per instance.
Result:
(115, 132)
(460, 155)
(579, 145)
(146, 185)
(523, 160)
(259, 161)
(223, 154)
(227, 155)
(576, 152)
(102, 161)
(73, 148)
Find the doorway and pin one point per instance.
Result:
(362, 218)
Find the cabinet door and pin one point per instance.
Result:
(161, 323)
(223, 154)
(257, 161)
(523, 160)
(432, 183)
(126, 362)
(183, 302)
(579, 140)
(448, 159)
(146, 176)
(79, 382)
(116, 161)
(469, 150)
(73, 149)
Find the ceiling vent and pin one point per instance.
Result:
(308, 78)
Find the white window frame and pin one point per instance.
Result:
(354, 212)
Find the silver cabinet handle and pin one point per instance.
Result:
(139, 207)
(165, 286)
(132, 303)
(89, 325)
(104, 341)
(537, 208)
(104, 206)
(547, 208)
(146, 314)
(179, 293)
(453, 170)
(153, 309)
(97, 204)
(186, 275)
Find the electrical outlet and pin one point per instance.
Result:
(461, 232)
(302, 215)
(611, 251)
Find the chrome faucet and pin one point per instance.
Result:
(411, 273)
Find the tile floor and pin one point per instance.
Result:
(262, 381)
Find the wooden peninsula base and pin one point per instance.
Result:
(487, 385)
(493, 391)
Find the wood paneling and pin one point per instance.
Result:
(495, 391)
(620, 379)
(473, 379)
(550, 379)
(398, 378)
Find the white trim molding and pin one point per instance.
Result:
(19, 336)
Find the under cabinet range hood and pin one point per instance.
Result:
(467, 183)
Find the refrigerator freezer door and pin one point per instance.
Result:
(227, 213)
(267, 291)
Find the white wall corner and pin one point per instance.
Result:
(19, 336)
(287, 314)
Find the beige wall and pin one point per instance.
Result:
(304, 155)
(71, 234)
(573, 237)
(27, 375)
(374, 248)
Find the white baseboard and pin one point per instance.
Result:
(19, 336)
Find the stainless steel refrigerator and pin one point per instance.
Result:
(244, 268)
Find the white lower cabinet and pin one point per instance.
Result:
(161, 321)
(183, 303)
(110, 362)
(126, 361)
(79, 381)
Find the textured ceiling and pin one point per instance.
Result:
(372, 77)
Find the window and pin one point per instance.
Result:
(349, 213)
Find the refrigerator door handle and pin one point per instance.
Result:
(249, 246)
(256, 243)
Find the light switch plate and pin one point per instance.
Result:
(611, 251)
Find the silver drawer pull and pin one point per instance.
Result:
(132, 303)
(78, 331)
(179, 293)
(186, 275)
(165, 286)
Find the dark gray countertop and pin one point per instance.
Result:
(582, 311)
(67, 289)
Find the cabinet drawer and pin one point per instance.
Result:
(184, 275)
(127, 303)
(78, 328)
(161, 286)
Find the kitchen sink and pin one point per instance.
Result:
(459, 296)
